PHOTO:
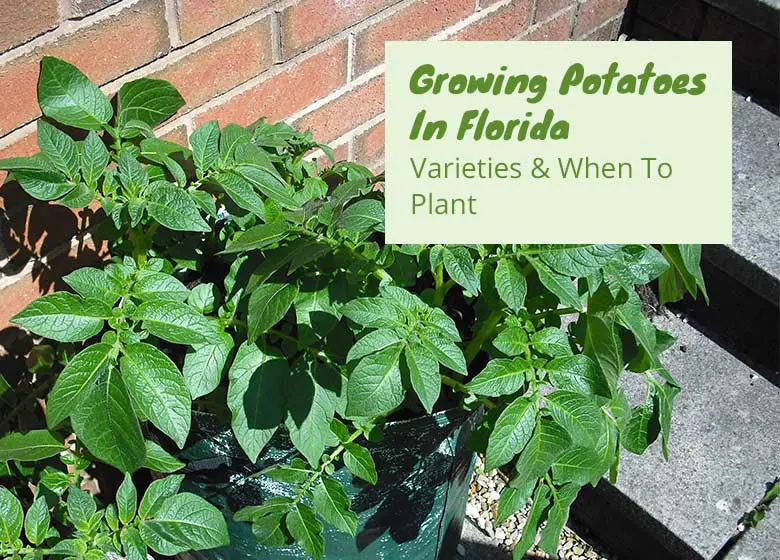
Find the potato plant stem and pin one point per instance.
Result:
(487, 328)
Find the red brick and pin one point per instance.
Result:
(607, 32)
(283, 94)
(22, 20)
(346, 112)
(556, 29)
(199, 17)
(416, 21)
(103, 51)
(369, 147)
(82, 8)
(546, 8)
(595, 12)
(501, 25)
(25, 146)
(310, 21)
(177, 135)
(220, 66)
(46, 278)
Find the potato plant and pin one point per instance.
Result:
(244, 278)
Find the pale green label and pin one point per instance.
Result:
(558, 142)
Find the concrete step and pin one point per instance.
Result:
(759, 542)
(752, 26)
(754, 256)
(743, 278)
(724, 449)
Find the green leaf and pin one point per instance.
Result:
(133, 545)
(158, 390)
(175, 322)
(81, 196)
(44, 185)
(502, 376)
(602, 345)
(259, 237)
(76, 380)
(642, 428)
(340, 430)
(512, 500)
(147, 100)
(424, 375)
(184, 522)
(256, 396)
(204, 297)
(268, 530)
(297, 472)
(306, 529)
(558, 284)
(272, 506)
(60, 148)
(359, 462)
(576, 260)
(174, 208)
(547, 442)
(268, 304)
(37, 162)
(81, 505)
(332, 504)
(232, 136)
(37, 520)
(375, 386)
(447, 353)
(579, 414)
(133, 175)
(550, 536)
(374, 312)
(313, 393)
(29, 446)
(241, 192)
(67, 96)
(538, 508)
(512, 341)
(372, 342)
(551, 341)
(157, 492)
(106, 423)
(267, 183)
(511, 284)
(64, 317)
(364, 215)
(11, 517)
(151, 285)
(578, 464)
(511, 433)
(159, 460)
(205, 146)
(126, 500)
(663, 396)
(460, 267)
(579, 374)
(205, 364)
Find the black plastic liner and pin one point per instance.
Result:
(414, 512)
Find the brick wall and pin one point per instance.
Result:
(316, 63)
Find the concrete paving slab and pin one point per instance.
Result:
(754, 256)
(724, 448)
(760, 543)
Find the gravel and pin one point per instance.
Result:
(481, 510)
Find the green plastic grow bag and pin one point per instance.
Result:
(415, 511)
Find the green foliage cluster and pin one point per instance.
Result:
(247, 281)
